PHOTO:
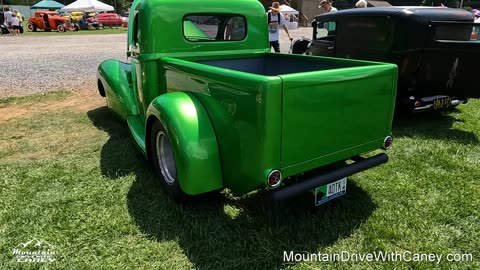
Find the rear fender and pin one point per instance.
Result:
(114, 80)
(193, 139)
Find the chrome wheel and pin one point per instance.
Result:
(166, 160)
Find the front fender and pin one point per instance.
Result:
(114, 81)
(193, 139)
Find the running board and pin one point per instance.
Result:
(137, 128)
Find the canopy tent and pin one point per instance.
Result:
(87, 5)
(47, 4)
(291, 15)
(288, 10)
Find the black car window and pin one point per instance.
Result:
(325, 30)
(366, 32)
(452, 32)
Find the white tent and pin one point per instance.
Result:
(288, 10)
(87, 5)
(291, 15)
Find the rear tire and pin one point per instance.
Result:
(164, 162)
(61, 28)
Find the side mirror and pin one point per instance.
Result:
(314, 24)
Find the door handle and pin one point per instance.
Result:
(330, 48)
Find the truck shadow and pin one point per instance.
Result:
(248, 232)
(433, 125)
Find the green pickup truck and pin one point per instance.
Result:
(212, 108)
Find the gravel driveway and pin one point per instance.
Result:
(36, 64)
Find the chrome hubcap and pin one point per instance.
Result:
(166, 160)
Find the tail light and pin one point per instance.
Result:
(274, 179)
(387, 142)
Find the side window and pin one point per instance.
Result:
(326, 30)
(203, 27)
(366, 32)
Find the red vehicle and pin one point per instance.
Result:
(50, 20)
(109, 19)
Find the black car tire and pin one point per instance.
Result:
(164, 162)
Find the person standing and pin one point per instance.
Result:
(8, 19)
(361, 4)
(275, 21)
(18, 15)
(15, 25)
(326, 6)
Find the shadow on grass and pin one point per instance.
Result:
(249, 232)
(433, 125)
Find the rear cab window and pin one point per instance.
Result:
(214, 27)
(454, 32)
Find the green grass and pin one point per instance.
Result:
(76, 180)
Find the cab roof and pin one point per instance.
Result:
(423, 14)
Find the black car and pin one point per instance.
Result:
(432, 47)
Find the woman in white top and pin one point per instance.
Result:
(15, 25)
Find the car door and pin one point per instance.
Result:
(323, 42)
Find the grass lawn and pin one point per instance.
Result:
(70, 175)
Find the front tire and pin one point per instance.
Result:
(31, 27)
(164, 162)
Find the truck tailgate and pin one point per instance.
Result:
(327, 112)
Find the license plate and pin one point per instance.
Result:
(330, 191)
(442, 102)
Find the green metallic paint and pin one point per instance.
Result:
(231, 128)
(340, 109)
(137, 128)
(115, 77)
(163, 19)
(193, 140)
(245, 110)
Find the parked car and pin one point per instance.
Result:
(110, 19)
(212, 108)
(77, 15)
(436, 59)
(50, 20)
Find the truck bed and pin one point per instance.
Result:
(290, 112)
(278, 64)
